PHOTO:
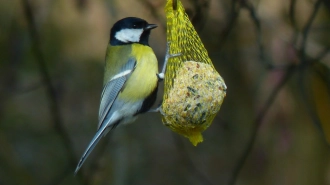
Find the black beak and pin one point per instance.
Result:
(150, 26)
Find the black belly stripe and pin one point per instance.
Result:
(148, 102)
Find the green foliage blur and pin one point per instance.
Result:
(273, 127)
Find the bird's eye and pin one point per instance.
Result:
(134, 26)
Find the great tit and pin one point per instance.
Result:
(130, 78)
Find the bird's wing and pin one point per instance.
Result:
(112, 89)
(109, 95)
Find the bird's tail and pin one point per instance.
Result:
(102, 131)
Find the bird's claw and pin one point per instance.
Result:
(168, 56)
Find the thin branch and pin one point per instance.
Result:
(322, 54)
(189, 164)
(27, 89)
(153, 10)
(306, 61)
(292, 18)
(234, 13)
(305, 96)
(10, 161)
(59, 178)
(306, 29)
(258, 122)
(323, 73)
(81, 4)
(292, 12)
(327, 4)
(97, 157)
(54, 107)
(257, 24)
(271, 98)
(198, 19)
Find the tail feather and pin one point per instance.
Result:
(102, 131)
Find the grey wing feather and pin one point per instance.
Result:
(112, 89)
(108, 97)
(110, 93)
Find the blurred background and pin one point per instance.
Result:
(273, 127)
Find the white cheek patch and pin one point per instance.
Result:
(129, 35)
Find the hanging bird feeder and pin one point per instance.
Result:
(193, 89)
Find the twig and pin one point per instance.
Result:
(322, 54)
(234, 12)
(307, 94)
(278, 87)
(81, 4)
(189, 164)
(59, 178)
(153, 11)
(292, 18)
(96, 158)
(323, 75)
(10, 161)
(201, 13)
(264, 110)
(306, 61)
(51, 91)
(256, 21)
(305, 97)
(306, 30)
(27, 89)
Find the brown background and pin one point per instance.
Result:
(273, 56)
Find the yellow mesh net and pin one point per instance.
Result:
(183, 39)
(193, 89)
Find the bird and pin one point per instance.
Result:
(131, 78)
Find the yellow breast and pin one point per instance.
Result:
(143, 80)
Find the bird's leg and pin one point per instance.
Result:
(161, 75)
(158, 109)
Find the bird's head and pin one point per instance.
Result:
(130, 30)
